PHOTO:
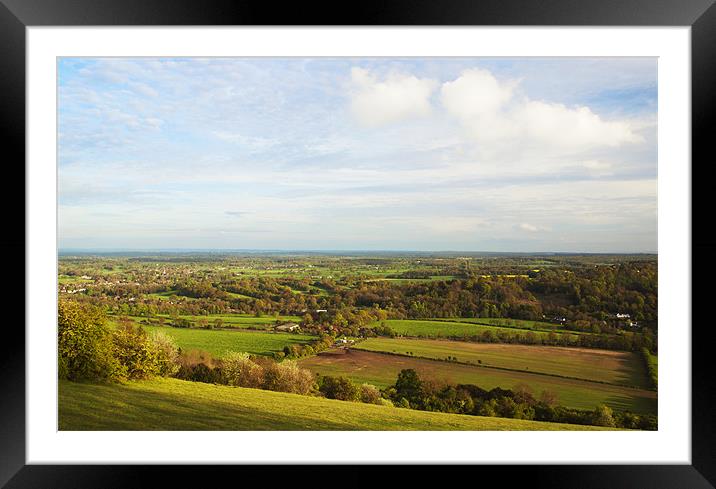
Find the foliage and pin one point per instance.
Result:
(339, 388)
(136, 351)
(85, 348)
(240, 371)
(410, 391)
(167, 353)
(651, 367)
(287, 377)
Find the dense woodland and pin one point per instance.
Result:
(590, 293)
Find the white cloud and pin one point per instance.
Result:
(497, 119)
(528, 227)
(476, 93)
(398, 97)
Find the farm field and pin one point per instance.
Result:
(243, 321)
(217, 342)
(512, 323)
(382, 369)
(428, 328)
(239, 320)
(170, 404)
(614, 367)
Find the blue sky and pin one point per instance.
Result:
(472, 154)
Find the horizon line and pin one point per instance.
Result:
(327, 250)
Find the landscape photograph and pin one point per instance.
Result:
(357, 243)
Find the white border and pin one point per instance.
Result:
(671, 444)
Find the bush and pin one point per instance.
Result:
(339, 388)
(167, 353)
(239, 370)
(287, 377)
(201, 372)
(370, 394)
(602, 416)
(135, 350)
(84, 344)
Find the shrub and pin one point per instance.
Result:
(239, 370)
(370, 394)
(167, 353)
(201, 373)
(84, 344)
(602, 416)
(136, 351)
(287, 377)
(386, 402)
(339, 388)
(403, 403)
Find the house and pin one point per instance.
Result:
(623, 316)
(321, 310)
(291, 327)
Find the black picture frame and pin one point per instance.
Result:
(700, 15)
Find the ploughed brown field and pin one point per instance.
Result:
(381, 369)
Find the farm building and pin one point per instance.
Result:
(287, 327)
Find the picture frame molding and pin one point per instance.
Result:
(17, 15)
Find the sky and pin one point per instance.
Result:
(424, 154)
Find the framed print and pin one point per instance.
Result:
(425, 235)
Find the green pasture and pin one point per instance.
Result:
(217, 341)
(443, 328)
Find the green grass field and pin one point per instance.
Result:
(442, 328)
(170, 404)
(217, 341)
(614, 367)
(228, 320)
(512, 323)
(382, 369)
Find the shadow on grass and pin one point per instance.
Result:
(123, 407)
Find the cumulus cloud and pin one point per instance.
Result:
(398, 97)
(476, 93)
(492, 112)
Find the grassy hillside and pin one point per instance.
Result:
(382, 369)
(614, 367)
(170, 404)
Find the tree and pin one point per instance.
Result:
(408, 385)
(136, 352)
(85, 350)
(339, 388)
